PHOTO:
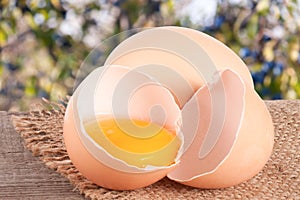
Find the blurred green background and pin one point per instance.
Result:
(43, 42)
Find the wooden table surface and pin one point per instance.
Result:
(23, 176)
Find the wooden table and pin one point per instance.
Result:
(23, 176)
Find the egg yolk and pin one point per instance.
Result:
(136, 142)
(121, 139)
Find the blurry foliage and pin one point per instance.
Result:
(43, 42)
(266, 36)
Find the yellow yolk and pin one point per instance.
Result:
(136, 142)
(121, 139)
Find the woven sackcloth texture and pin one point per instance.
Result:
(41, 129)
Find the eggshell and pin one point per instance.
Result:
(243, 145)
(132, 94)
(91, 159)
(222, 56)
(96, 171)
(191, 54)
(183, 58)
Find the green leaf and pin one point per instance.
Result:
(6, 27)
(252, 27)
(1, 69)
(3, 38)
(30, 86)
(30, 21)
(297, 89)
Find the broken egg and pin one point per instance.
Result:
(173, 102)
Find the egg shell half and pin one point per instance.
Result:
(157, 47)
(223, 57)
(98, 172)
(190, 54)
(89, 158)
(244, 143)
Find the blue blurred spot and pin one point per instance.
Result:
(277, 96)
(208, 29)
(245, 52)
(255, 54)
(11, 67)
(258, 77)
(118, 2)
(267, 66)
(43, 94)
(278, 69)
(266, 38)
(219, 20)
(265, 91)
(155, 6)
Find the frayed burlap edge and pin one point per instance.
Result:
(41, 129)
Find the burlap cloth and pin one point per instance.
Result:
(41, 129)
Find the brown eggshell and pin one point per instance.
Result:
(191, 54)
(169, 50)
(243, 146)
(131, 91)
(97, 172)
(223, 56)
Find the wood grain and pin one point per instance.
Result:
(23, 176)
